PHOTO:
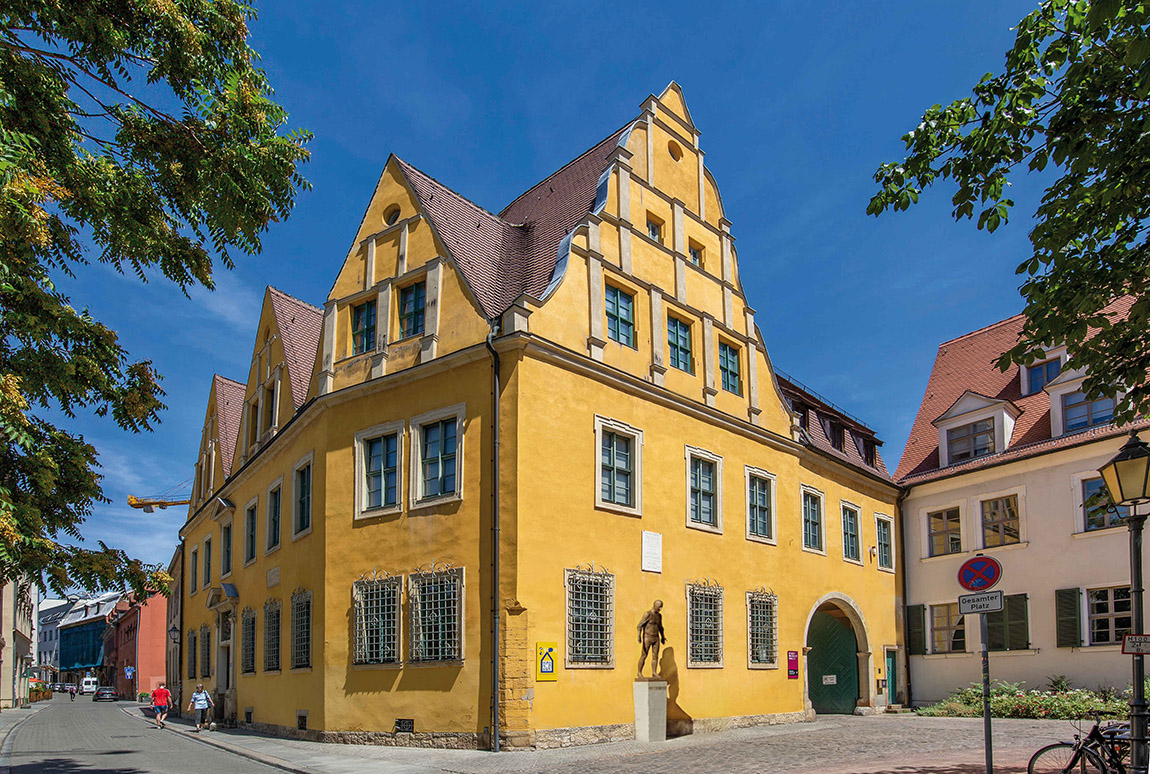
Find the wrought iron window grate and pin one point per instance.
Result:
(762, 627)
(704, 624)
(590, 616)
(272, 635)
(205, 651)
(301, 629)
(376, 601)
(248, 641)
(436, 600)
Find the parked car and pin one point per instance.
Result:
(88, 685)
(105, 692)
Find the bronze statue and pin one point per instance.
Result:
(651, 637)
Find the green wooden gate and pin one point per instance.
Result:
(832, 665)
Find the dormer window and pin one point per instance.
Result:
(869, 452)
(1080, 414)
(1041, 374)
(970, 441)
(837, 435)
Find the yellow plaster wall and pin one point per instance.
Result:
(677, 179)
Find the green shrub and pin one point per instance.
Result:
(1011, 700)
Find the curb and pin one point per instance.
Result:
(243, 752)
(7, 739)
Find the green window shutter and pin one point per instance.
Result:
(1008, 629)
(996, 630)
(916, 630)
(1068, 614)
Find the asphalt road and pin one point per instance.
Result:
(87, 737)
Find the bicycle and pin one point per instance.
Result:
(1103, 750)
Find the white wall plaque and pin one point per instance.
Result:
(830, 679)
(273, 577)
(652, 552)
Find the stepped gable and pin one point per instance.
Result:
(504, 256)
(229, 415)
(968, 363)
(856, 431)
(300, 326)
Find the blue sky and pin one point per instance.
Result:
(797, 103)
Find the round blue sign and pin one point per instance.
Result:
(979, 573)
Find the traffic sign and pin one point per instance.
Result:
(983, 602)
(979, 573)
(1136, 644)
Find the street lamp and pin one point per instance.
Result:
(1127, 476)
(174, 633)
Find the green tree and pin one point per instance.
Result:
(144, 134)
(1074, 100)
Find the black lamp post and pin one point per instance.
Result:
(1127, 476)
(174, 633)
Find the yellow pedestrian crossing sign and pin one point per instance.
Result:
(546, 656)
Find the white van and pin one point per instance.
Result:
(89, 685)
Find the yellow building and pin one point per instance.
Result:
(579, 381)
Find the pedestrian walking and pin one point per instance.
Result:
(201, 701)
(71, 693)
(161, 700)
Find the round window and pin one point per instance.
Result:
(391, 216)
(675, 150)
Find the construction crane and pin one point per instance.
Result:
(172, 497)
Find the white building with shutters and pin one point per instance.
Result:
(1004, 464)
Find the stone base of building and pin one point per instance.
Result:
(621, 732)
(448, 740)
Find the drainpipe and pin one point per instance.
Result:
(495, 539)
(902, 495)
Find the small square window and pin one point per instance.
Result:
(655, 229)
(696, 253)
(1041, 374)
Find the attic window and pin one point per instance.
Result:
(868, 452)
(801, 411)
(674, 149)
(391, 215)
(1041, 374)
(837, 435)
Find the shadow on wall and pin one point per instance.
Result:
(679, 723)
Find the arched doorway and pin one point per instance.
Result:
(838, 668)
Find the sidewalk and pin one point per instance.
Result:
(9, 719)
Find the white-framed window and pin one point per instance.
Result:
(194, 572)
(274, 506)
(704, 624)
(619, 461)
(760, 505)
(813, 526)
(301, 629)
(620, 308)
(435, 601)
(226, 549)
(207, 562)
(272, 617)
(590, 617)
(1109, 612)
(944, 531)
(1001, 522)
(1078, 413)
(852, 532)
(376, 604)
(970, 441)
(762, 629)
(248, 641)
(437, 456)
(704, 490)
(379, 469)
(654, 228)
(1041, 374)
(1094, 508)
(947, 629)
(301, 498)
(251, 527)
(884, 541)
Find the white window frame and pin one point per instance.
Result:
(398, 428)
(277, 484)
(307, 459)
(1086, 631)
(968, 640)
(252, 503)
(229, 522)
(606, 424)
(893, 543)
(964, 528)
(609, 578)
(1078, 526)
(206, 561)
(1056, 353)
(822, 498)
(690, 453)
(976, 516)
(762, 664)
(194, 572)
(858, 532)
(748, 472)
(459, 412)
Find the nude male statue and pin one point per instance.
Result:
(651, 637)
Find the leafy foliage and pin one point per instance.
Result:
(1072, 99)
(1009, 700)
(141, 132)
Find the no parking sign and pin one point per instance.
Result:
(979, 573)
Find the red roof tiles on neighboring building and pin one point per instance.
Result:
(229, 414)
(300, 325)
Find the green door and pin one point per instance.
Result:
(832, 665)
(891, 674)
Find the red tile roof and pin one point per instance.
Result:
(229, 414)
(300, 325)
(504, 256)
(819, 410)
(968, 363)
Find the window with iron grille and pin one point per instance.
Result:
(762, 628)
(248, 641)
(436, 604)
(376, 605)
(301, 629)
(759, 506)
(945, 530)
(192, 655)
(729, 368)
(1000, 522)
(704, 624)
(272, 635)
(812, 521)
(1110, 614)
(703, 491)
(412, 301)
(616, 469)
(620, 316)
(438, 457)
(205, 651)
(590, 617)
(381, 471)
(679, 343)
(363, 328)
(851, 533)
(884, 533)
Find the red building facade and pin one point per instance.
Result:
(140, 634)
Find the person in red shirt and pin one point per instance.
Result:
(161, 700)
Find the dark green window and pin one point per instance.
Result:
(916, 630)
(759, 506)
(303, 498)
(884, 532)
(703, 492)
(620, 316)
(617, 470)
(438, 458)
(363, 328)
(226, 549)
(679, 343)
(850, 533)
(412, 302)
(274, 500)
(729, 368)
(381, 470)
(1068, 615)
(1009, 629)
(250, 534)
(812, 521)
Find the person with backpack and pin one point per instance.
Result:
(161, 700)
(201, 701)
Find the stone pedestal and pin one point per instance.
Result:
(650, 710)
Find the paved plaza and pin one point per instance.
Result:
(84, 737)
